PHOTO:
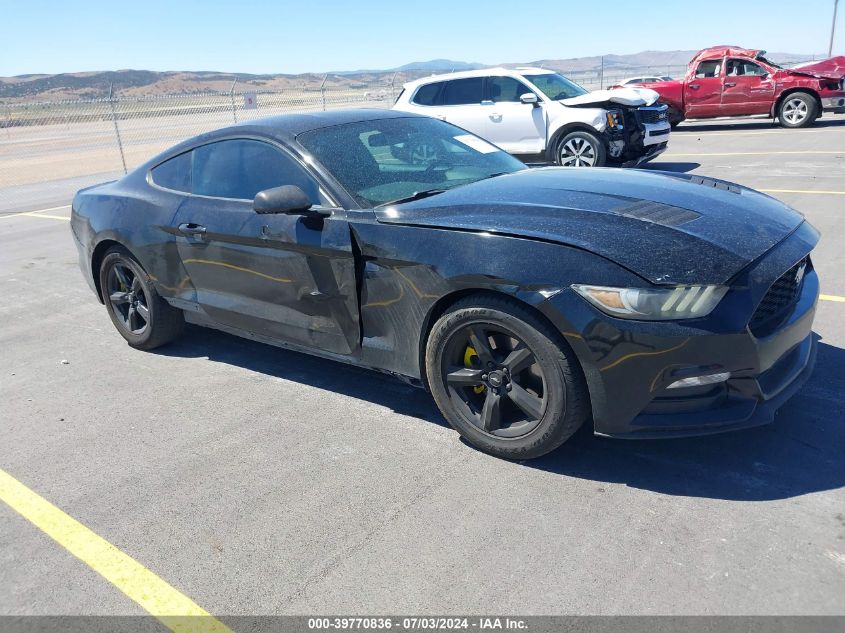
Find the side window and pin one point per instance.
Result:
(463, 91)
(743, 68)
(709, 69)
(506, 89)
(427, 95)
(174, 173)
(240, 168)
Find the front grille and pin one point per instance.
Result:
(653, 114)
(779, 298)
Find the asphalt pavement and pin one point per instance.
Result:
(260, 481)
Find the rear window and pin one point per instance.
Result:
(174, 173)
(427, 95)
(463, 91)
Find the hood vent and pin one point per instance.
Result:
(656, 212)
(716, 184)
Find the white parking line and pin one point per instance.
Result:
(35, 212)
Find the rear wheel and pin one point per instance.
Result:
(798, 110)
(504, 379)
(141, 316)
(580, 149)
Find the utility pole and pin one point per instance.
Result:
(832, 29)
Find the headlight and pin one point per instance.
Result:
(614, 119)
(654, 304)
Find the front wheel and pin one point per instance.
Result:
(580, 149)
(798, 110)
(140, 315)
(504, 379)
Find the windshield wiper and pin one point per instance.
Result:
(417, 195)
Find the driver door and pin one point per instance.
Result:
(285, 277)
(516, 127)
(749, 88)
(703, 92)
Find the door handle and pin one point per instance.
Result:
(496, 117)
(730, 84)
(694, 86)
(189, 228)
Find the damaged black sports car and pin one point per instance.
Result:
(528, 301)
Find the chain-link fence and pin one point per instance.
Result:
(69, 144)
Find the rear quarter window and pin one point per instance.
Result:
(174, 174)
(427, 95)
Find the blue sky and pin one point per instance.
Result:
(37, 36)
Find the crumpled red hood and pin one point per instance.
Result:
(833, 68)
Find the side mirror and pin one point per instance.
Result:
(528, 97)
(288, 199)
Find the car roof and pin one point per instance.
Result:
(284, 127)
(716, 52)
(291, 125)
(481, 72)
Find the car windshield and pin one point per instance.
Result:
(387, 160)
(556, 86)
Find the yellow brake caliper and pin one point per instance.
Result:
(468, 355)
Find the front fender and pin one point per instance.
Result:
(412, 274)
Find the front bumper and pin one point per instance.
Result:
(650, 152)
(836, 105)
(656, 133)
(629, 365)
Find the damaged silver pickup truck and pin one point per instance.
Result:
(541, 116)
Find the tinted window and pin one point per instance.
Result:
(506, 89)
(174, 173)
(240, 168)
(427, 95)
(709, 69)
(463, 91)
(387, 159)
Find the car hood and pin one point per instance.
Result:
(833, 68)
(667, 228)
(623, 96)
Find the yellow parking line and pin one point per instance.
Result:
(809, 151)
(832, 298)
(153, 594)
(818, 191)
(689, 131)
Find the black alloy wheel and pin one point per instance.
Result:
(496, 378)
(504, 377)
(140, 315)
(128, 300)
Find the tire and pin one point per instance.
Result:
(137, 311)
(580, 149)
(519, 414)
(798, 109)
(675, 117)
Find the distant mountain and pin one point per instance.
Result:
(445, 65)
(96, 85)
(433, 65)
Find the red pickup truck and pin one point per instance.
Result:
(730, 81)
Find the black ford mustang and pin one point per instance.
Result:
(527, 301)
